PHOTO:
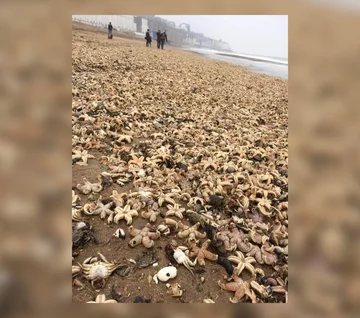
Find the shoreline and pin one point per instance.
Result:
(251, 58)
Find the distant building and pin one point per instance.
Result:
(178, 36)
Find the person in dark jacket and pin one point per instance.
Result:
(158, 34)
(148, 38)
(110, 27)
(163, 37)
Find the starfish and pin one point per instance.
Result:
(103, 209)
(88, 187)
(83, 155)
(75, 198)
(168, 197)
(150, 214)
(201, 252)
(190, 231)
(144, 236)
(196, 200)
(175, 210)
(278, 232)
(126, 138)
(118, 198)
(240, 288)
(251, 250)
(209, 163)
(101, 299)
(94, 144)
(264, 204)
(139, 161)
(242, 263)
(125, 214)
(268, 255)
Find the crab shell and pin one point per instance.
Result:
(97, 273)
(174, 290)
(165, 274)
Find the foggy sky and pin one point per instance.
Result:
(250, 34)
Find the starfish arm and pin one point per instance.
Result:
(128, 218)
(200, 235)
(179, 214)
(134, 232)
(239, 268)
(210, 256)
(183, 234)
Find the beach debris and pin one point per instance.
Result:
(174, 290)
(165, 274)
(146, 259)
(120, 233)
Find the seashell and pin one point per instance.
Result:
(165, 274)
(120, 233)
(208, 301)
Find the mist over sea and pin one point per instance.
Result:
(273, 66)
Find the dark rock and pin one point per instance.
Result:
(230, 170)
(182, 166)
(139, 299)
(216, 201)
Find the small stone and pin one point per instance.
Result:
(230, 170)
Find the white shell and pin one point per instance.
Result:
(119, 233)
(80, 225)
(165, 274)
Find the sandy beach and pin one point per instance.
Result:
(200, 126)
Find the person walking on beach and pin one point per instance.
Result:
(158, 34)
(110, 27)
(163, 37)
(148, 38)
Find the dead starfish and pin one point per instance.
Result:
(264, 204)
(118, 198)
(139, 161)
(168, 197)
(201, 252)
(175, 210)
(88, 187)
(125, 214)
(143, 236)
(190, 231)
(83, 155)
(242, 263)
(150, 214)
(103, 209)
(240, 288)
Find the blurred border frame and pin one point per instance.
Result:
(35, 64)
